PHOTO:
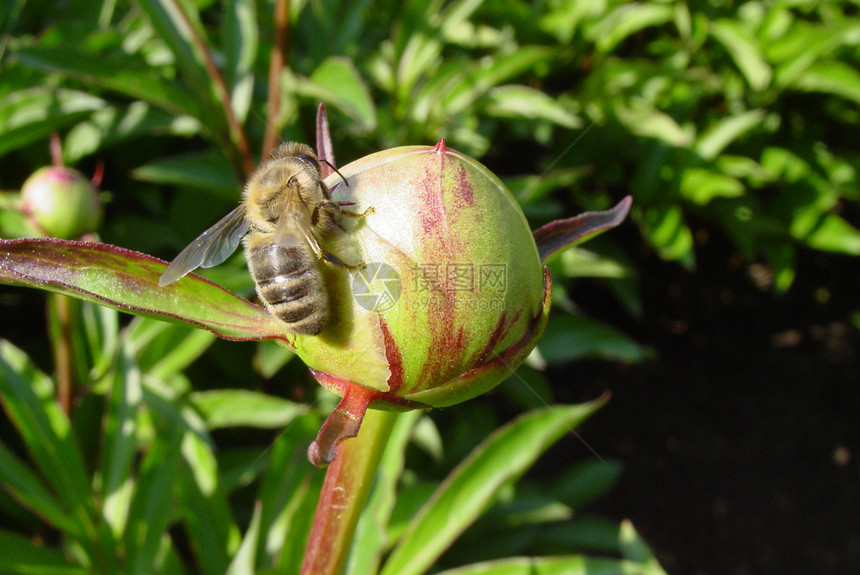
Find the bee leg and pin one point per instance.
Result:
(328, 257)
(335, 261)
(335, 208)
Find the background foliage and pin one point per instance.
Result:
(730, 122)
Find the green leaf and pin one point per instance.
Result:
(807, 44)
(343, 87)
(238, 407)
(13, 222)
(581, 262)
(584, 482)
(128, 281)
(288, 497)
(101, 325)
(28, 116)
(643, 119)
(634, 548)
(833, 234)
(562, 19)
(177, 24)
(481, 78)
(523, 102)
(152, 506)
(119, 443)
(164, 350)
(719, 135)
(745, 52)
(126, 76)
(455, 14)
(419, 55)
(410, 500)
(626, 20)
(836, 78)
(208, 170)
(240, 42)
(27, 488)
(201, 500)
(370, 541)
(29, 399)
(204, 506)
(112, 125)
(270, 357)
(701, 185)
(572, 338)
(426, 437)
(669, 234)
(20, 556)
(474, 484)
(563, 565)
(425, 28)
(586, 533)
(244, 561)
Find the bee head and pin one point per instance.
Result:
(287, 181)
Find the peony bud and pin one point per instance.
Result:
(452, 297)
(61, 202)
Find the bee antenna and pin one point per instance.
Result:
(336, 171)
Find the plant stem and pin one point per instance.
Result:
(241, 154)
(348, 482)
(59, 323)
(277, 60)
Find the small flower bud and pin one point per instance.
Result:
(451, 300)
(61, 202)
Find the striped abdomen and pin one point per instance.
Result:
(290, 284)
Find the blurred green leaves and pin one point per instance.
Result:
(674, 93)
(155, 453)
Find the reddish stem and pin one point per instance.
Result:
(242, 154)
(60, 325)
(56, 148)
(347, 485)
(277, 60)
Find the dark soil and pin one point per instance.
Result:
(741, 440)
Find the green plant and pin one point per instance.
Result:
(117, 504)
(121, 525)
(722, 120)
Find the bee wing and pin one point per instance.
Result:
(290, 229)
(210, 248)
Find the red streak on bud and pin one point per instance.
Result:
(432, 215)
(394, 357)
(491, 358)
(464, 186)
(499, 332)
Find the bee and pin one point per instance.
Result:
(286, 210)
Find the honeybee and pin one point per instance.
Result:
(286, 209)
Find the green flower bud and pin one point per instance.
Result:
(61, 202)
(451, 300)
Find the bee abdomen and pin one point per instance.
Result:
(290, 285)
